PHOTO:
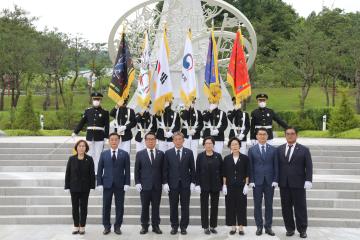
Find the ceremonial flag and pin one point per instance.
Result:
(123, 74)
(188, 81)
(143, 88)
(237, 75)
(163, 91)
(212, 87)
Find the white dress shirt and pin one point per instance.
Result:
(149, 153)
(181, 151)
(291, 151)
(260, 147)
(116, 152)
(236, 159)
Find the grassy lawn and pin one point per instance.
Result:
(350, 134)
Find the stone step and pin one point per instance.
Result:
(194, 220)
(134, 199)
(32, 191)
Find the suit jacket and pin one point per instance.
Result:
(115, 174)
(80, 179)
(300, 169)
(263, 169)
(122, 119)
(236, 174)
(209, 179)
(175, 171)
(148, 174)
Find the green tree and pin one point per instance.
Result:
(27, 118)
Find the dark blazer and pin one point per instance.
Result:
(175, 171)
(236, 174)
(80, 180)
(113, 174)
(209, 180)
(298, 170)
(148, 174)
(261, 169)
(122, 117)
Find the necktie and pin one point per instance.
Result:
(152, 156)
(178, 155)
(287, 157)
(113, 157)
(263, 151)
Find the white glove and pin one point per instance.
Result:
(308, 185)
(66, 190)
(122, 128)
(275, 184)
(253, 142)
(252, 185)
(192, 187)
(138, 187)
(126, 187)
(198, 189)
(169, 134)
(214, 132)
(245, 189)
(166, 188)
(192, 132)
(106, 141)
(73, 135)
(100, 188)
(241, 136)
(224, 190)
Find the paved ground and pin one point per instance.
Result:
(63, 232)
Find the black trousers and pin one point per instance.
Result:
(79, 201)
(236, 204)
(294, 198)
(266, 191)
(152, 197)
(204, 203)
(184, 195)
(108, 194)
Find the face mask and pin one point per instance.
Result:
(237, 107)
(262, 104)
(212, 106)
(167, 104)
(96, 103)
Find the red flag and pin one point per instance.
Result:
(237, 75)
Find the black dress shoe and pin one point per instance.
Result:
(143, 230)
(173, 231)
(207, 231)
(156, 230)
(75, 232)
(106, 231)
(258, 231)
(213, 230)
(117, 231)
(241, 232)
(232, 232)
(269, 231)
(183, 231)
(290, 233)
(303, 235)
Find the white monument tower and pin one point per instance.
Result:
(179, 16)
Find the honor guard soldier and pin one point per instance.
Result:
(97, 121)
(263, 117)
(145, 122)
(168, 123)
(191, 126)
(239, 125)
(124, 122)
(215, 124)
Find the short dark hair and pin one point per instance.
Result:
(149, 133)
(178, 134)
(234, 139)
(207, 138)
(114, 134)
(293, 128)
(262, 129)
(81, 141)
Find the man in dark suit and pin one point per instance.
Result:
(113, 178)
(264, 169)
(179, 179)
(295, 175)
(148, 179)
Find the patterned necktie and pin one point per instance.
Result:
(152, 155)
(113, 157)
(178, 155)
(287, 157)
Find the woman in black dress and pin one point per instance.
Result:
(235, 186)
(208, 181)
(79, 179)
